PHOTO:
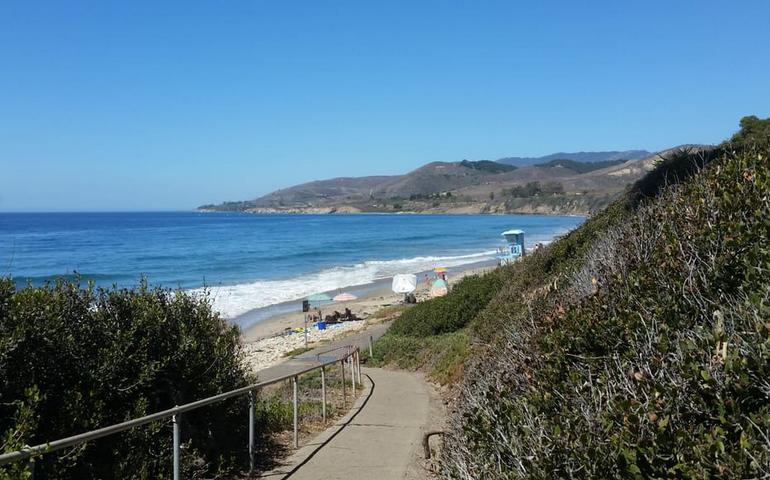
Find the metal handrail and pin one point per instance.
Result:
(341, 347)
(352, 356)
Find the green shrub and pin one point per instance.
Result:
(452, 311)
(441, 355)
(754, 133)
(638, 346)
(75, 359)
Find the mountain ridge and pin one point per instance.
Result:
(586, 157)
(559, 186)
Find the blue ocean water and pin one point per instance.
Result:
(251, 261)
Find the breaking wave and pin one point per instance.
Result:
(234, 300)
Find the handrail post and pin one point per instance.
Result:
(371, 348)
(251, 431)
(31, 465)
(352, 374)
(175, 421)
(344, 393)
(296, 412)
(323, 393)
(358, 367)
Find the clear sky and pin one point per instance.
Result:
(153, 105)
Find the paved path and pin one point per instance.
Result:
(378, 439)
(308, 359)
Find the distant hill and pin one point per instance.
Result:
(587, 157)
(556, 185)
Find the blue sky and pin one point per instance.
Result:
(167, 105)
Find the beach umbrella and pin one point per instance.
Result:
(344, 297)
(440, 272)
(319, 297)
(439, 288)
(404, 283)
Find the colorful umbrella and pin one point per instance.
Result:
(344, 297)
(439, 288)
(319, 297)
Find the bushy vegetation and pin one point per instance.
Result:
(754, 133)
(488, 166)
(646, 353)
(580, 167)
(533, 189)
(638, 346)
(432, 335)
(74, 359)
(451, 312)
(430, 196)
(441, 355)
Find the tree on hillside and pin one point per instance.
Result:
(553, 188)
(533, 189)
(754, 132)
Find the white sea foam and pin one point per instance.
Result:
(234, 300)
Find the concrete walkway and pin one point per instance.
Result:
(378, 439)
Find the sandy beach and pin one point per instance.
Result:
(267, 342)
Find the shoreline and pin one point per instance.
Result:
(324, 212)
(266, 342)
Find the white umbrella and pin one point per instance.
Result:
(404, 283)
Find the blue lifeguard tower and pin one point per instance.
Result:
(515, 248)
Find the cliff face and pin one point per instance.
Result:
(554, 205)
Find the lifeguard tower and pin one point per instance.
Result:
(515, 248)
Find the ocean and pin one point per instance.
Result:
(252, 261)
